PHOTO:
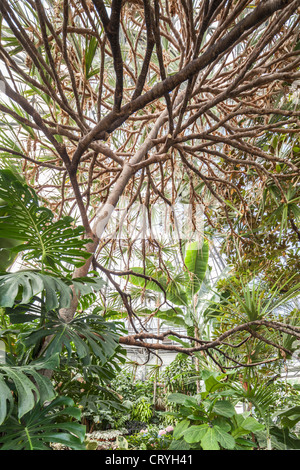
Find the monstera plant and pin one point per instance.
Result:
(209, 421)
(36, 337)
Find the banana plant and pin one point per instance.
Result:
(43, 426)
(209, 421)
(182, 290)
(195, 298)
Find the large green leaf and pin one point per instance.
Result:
(252, 425)
(284, 439)
(85, 335)
(179, 445)
(180, 428)
(246, 426)
(23, 286)
(51, 243)
(178, 398)
(289, 417)
(44, 425)
(27, 384)
(209, 441)
(224, 408)
(6, 400)
(212, 381)
(196, 261)
(210, 437)
(224, 439)
(6, 244)
(90, 51)
(182, 286)
(172, 316)
(6, 255)
(195, 434)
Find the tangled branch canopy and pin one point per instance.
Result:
(155, 101)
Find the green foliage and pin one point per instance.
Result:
(181, 291)
(285, 209)
(89, 386)
(282, 439)
(51, 244)
(33, 412)
(43, 425)
(89, 335)
(250, 298)
(196, 262)
(178, 375)
(129, 388)
(25, 382)
(270, 422)
(209, 421)
(255, 300)
(174, 293)
(23, 286)
(269, 402)
(289, 417)
(102, 410)
(272, 230)
(142, 410)
(150, 439)
(181, 288)
(6, 255)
